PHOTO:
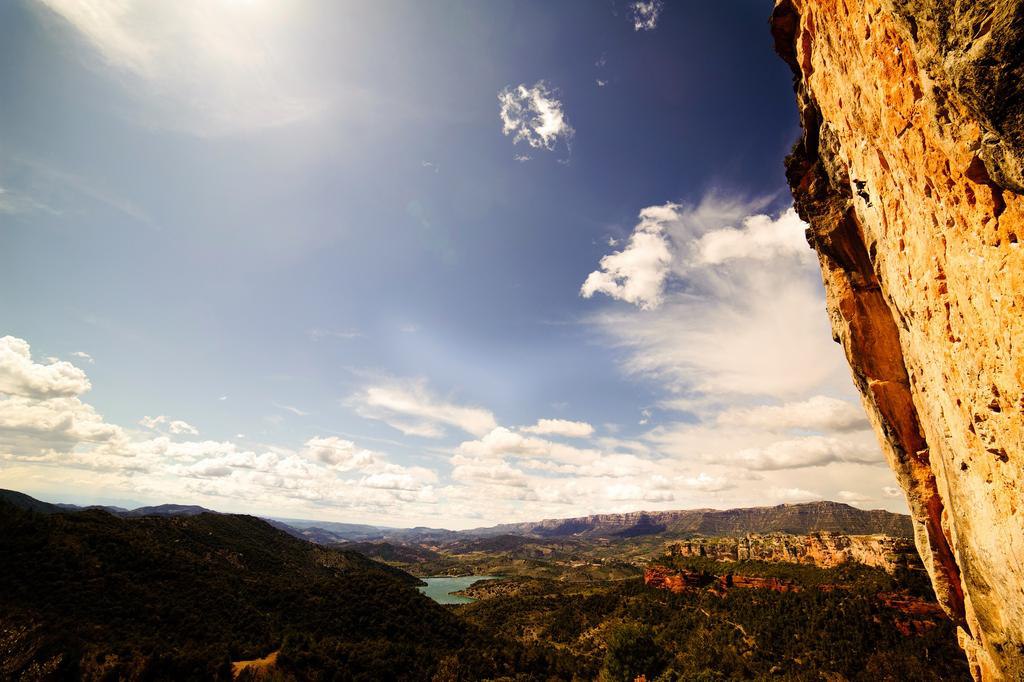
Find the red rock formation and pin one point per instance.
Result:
(677, 582)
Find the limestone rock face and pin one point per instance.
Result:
(826, 550)
(909, 172)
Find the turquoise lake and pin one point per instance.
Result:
(440, 589)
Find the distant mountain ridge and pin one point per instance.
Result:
(796, 519)
(23, 501)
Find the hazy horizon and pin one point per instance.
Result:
(132, 506)
(412, 264)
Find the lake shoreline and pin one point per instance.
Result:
(446, 589)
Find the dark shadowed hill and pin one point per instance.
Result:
(168, 510)
(23, 501)
(91, 595)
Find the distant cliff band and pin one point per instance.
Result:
(821, 549)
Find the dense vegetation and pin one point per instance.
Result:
(91, 595)
(96, 596)
(851, 576)
(620, 629)
(515, 555)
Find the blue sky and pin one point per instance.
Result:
(325, 260)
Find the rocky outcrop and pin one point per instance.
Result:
(917, 615)
(909, 174)
(682, 581)
(664, 578)
(826, 550)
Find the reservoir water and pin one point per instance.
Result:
(440, 589)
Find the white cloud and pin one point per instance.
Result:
(808, 452)
(205, 67)
(501, 442)
(291, 408)
(393, 481)
(38, 426)
(560, 427)
(153, 422)
(817, 413)
(177, 426)
(760, 238)
(84, 356)
(892, 491)
(41, 427)
(794, 494)
(637, 274)
(174, 426)
(645, 14)
(710, 484)
(472, 470)
(534, 115)
(410, 407)
(727, 323)
(19, 375)
(338, 453)
(853, 497)
(632, 491)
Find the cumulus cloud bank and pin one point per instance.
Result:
(550, 468)
(725, 317)
(44, 422)
(19, 375)
(719, 315)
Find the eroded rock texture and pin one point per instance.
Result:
(909, 172)
(826, 550)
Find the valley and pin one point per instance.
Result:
(93, 595)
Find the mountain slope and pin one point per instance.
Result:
(23, 501)
(90, 595)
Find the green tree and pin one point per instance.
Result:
(632, 652)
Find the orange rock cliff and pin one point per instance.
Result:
(821, 549)
(910, 173)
